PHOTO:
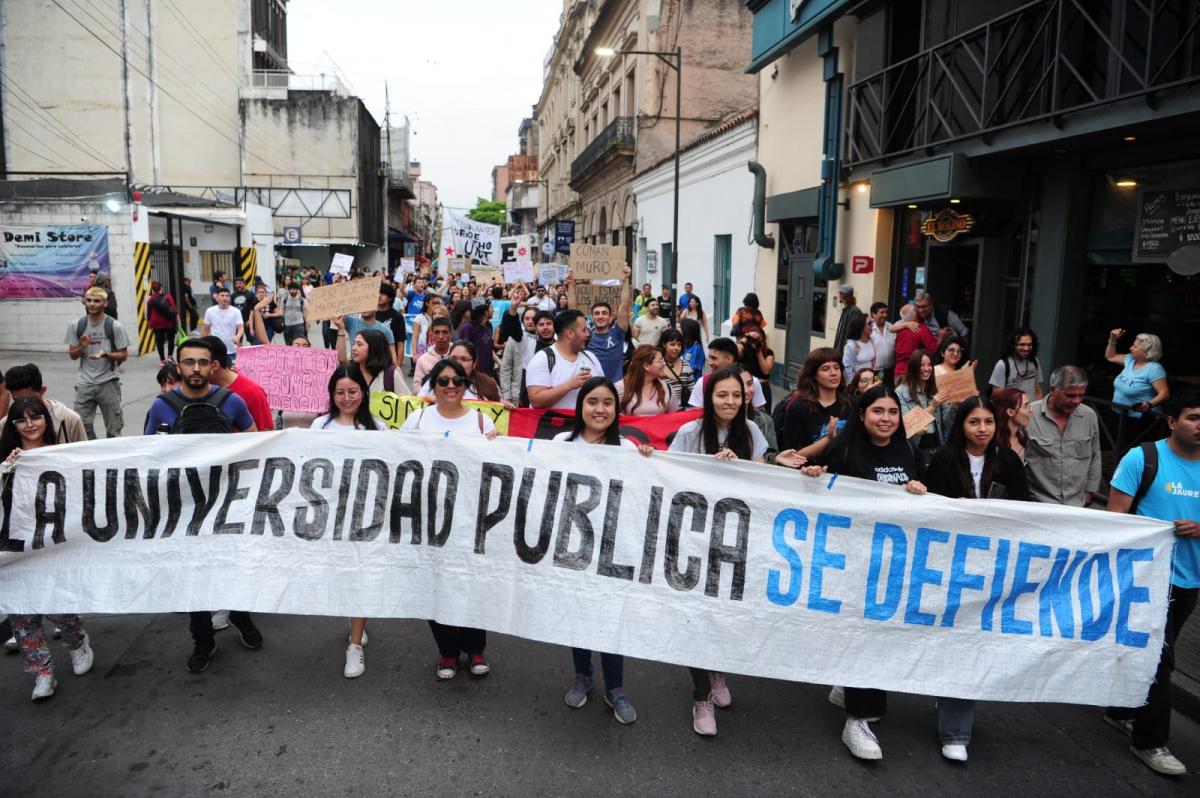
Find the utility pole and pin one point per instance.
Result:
(387, 182)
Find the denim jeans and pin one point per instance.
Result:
(612, 665)
(955, 718)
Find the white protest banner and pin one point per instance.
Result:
(518, 270)
(296, 379)
(353, 296)
(729, 566)
(475, 241)
(341, 263)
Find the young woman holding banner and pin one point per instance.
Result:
(349, 409)
(597, 422)
(872, 446)
(448, 414)
(31, 427)
(972, 465)
(724, 433)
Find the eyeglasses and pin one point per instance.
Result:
(445, 382)
(28, 421)
(953, 350)
(192, 363)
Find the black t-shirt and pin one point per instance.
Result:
(395, 320)
(894, 464)
(750, 363)
(244, 301)
(804, 426)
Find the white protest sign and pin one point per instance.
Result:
(552, 273)
(408, 265)
(518, 270)
(341, 263)
(475, 241)
(729, 566)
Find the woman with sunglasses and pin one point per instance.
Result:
(597, 422)
(349, 409)
(31, 427)
(480, 387)
(724, 433)
(449, 414)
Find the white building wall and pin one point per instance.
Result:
(715, 191)
(40, 325)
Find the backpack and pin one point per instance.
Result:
(389, 379)
(551, 359)
(109, 329)
(1149, 473)
(198, 416)
(779, 417)
(163, 308)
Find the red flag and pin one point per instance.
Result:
(658, 431)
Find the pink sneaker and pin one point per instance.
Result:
(720, 694)
(704, 718)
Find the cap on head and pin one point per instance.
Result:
(845, 289)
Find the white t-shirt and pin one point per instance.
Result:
(697, 398)
(224, 323)
(650, 329)
(885, 345)
(546, 303)
(538, 373)
(976, 464)
(688, 439)
(428, 419)
(565, 438)
(324, 422)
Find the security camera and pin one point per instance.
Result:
(83, 218)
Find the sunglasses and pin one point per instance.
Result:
(446, 382)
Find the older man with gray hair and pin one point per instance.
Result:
(940, 319)
(1064, 442)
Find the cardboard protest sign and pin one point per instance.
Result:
(459, 265)
(587, 294)
(518, 270)
(355, 296)
(485, 276)
(341, 264)
(393, 409)
(916, 421)
(597, 262)
(296, 379)
(602, 549)
(958, 384)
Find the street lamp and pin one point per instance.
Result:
(673, 59)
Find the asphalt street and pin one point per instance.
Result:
(284, 721)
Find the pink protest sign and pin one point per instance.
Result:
(296, 379)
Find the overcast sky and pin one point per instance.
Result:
(464, 71)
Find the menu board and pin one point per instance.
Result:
(1166, 221)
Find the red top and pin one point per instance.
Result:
(908, 342)
(154, 318)
(256, 401)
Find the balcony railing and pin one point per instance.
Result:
(616, 140)
(1036, 62)
(284, 80)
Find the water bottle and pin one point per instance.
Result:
(163, 429)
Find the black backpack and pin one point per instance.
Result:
(551, 359)
(779, 418)
(109, 329)
(199, 416)
(162, 307)
(1149, 472)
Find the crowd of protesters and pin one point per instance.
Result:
(1022, 438)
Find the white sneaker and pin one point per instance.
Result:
(1160, 760)
(220, 620)
(82, 657)
(364, 640)
(955, 752)
(356, 663)
(861, 741)
(43, 687)
(11, 644)
(837, 697)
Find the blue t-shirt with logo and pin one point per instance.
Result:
(1134, 387)
(416, 302)
(609, 349)
(1175, 494)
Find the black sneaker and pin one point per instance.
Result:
(251, 637)
(198, 662)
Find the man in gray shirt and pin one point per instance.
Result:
(1064, 442)
(99, 343)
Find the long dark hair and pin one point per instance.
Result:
(912, 377)
(852, 441)
(25, 406)
(956, 444)
(379, 355)
(1017, 335)
(739, 438)
(691, 333)
(612, 435)
(806, 382)
(446, 362)
(362, 416)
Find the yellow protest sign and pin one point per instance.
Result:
(393, 409)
